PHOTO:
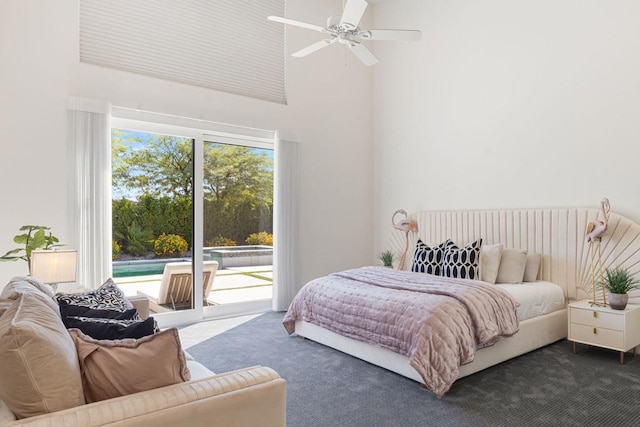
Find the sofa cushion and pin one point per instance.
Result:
(39, 372)
(17, 287)
(107, 297)
(121, 367)
(112, 329)
(6, 416)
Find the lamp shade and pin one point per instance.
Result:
(54, 266)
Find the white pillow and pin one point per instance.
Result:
(490, 262)
(512, 265)
(532, 267)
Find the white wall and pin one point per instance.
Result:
(507, 104)
(329, 109)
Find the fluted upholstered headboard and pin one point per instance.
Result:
(558, 234)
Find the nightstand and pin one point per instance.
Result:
(604, 327)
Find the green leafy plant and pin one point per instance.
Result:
(136, 240)
(387, 257)
(34, 237)
(170, 244)
(261, 238)
(221, 241)
(618, 281)
(115, 250)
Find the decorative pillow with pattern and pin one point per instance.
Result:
(107, 297)
(462, 263)
(429, 260)
(113, 329)
(68, 310)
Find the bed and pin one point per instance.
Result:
(556, 234)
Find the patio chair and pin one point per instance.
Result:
(176, 288)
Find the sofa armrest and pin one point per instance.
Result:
(140, 302)
(248, 397)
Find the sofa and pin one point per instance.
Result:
(254, 396)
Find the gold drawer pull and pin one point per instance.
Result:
(595, 314)
(595, 331)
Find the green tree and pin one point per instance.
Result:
(160, 165)
(155, 173)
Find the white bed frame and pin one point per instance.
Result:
(557, 234)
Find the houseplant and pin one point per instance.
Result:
(387, 257)
(618, 281)
(33, 237)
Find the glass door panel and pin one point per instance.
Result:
(152, 217)
(238, 226)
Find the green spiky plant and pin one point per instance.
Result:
(387, 257)
(33, 237)
(618, 281)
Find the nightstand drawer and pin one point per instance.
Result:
(599, 319)
(596, 336)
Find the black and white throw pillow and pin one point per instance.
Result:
(113, 329)
(107, 297)
(462, 263)
(429, 260)
(68, 310)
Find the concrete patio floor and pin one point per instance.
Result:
(230, 285)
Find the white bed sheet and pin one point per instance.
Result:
(536, 298)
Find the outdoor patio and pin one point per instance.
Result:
(230, 285)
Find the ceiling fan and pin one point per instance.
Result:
(344, 30)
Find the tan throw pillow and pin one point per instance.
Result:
(532, 267)
(15, 288)
(512, 265)
(39, 371)
(490, 256)
(112, 368)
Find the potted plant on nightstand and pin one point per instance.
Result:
(387, 257)
(618, 281)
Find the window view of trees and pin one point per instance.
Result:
(152, 194)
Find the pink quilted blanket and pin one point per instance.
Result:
(436, 322)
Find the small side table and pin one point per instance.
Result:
(604, 327)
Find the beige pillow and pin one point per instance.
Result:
(490, 256)
(532, 267)
(112, 368)
(45, 289)
(15, 288)
(512, 265)
(4, 306)
(39, 371)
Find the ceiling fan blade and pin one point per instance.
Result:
(365, 55)
(297, 24)
(353, 12)
(312, 48)
(403, 35)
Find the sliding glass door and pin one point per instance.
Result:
(192, 220)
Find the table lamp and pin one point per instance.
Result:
(54, 266)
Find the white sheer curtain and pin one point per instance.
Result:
(286, 271)
(88, 135)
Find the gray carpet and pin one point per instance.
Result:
(547, 387)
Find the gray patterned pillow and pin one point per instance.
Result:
(107, 297)
(429, 260)
(462, 263)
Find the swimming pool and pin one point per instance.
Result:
(142, 267)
